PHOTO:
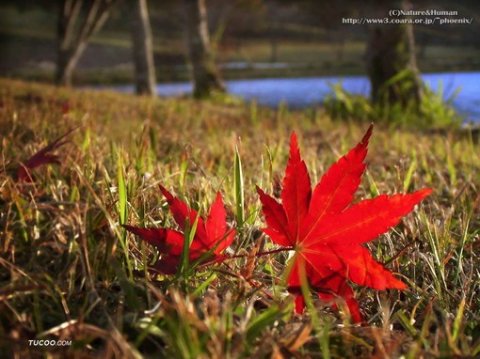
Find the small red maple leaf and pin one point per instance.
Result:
(211, 238)
(328, 231)
(42, 157)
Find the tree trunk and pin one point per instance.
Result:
(142, 49)
(205, 76)
(74, 31)
(66, 63)
(64, 69)
(273, 49)
(391, 65)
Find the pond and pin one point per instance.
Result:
(308, 91)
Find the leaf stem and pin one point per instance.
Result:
(261, 254)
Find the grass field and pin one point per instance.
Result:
(69, 271)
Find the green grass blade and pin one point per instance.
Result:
(122, 192)
(122, 207)
(262, 321)
(239, 190)
(189, 235)
(410, 172)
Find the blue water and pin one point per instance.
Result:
(308, 91)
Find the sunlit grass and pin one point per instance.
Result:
(68, 270)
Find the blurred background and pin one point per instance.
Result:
(296, 53)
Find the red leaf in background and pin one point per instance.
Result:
(41, 157)
(65, 107)
(328, 231)
(211, 235)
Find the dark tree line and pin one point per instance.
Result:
(205, 75)
(390, 49)
(391, 61)
(79, 20)
(145, 80)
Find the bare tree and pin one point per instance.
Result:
(205, 75)
(391, 63)
(142, 48)
(78, 20)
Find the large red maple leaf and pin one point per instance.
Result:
(212, 236)
(328, 231)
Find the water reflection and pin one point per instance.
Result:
(308, 91)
